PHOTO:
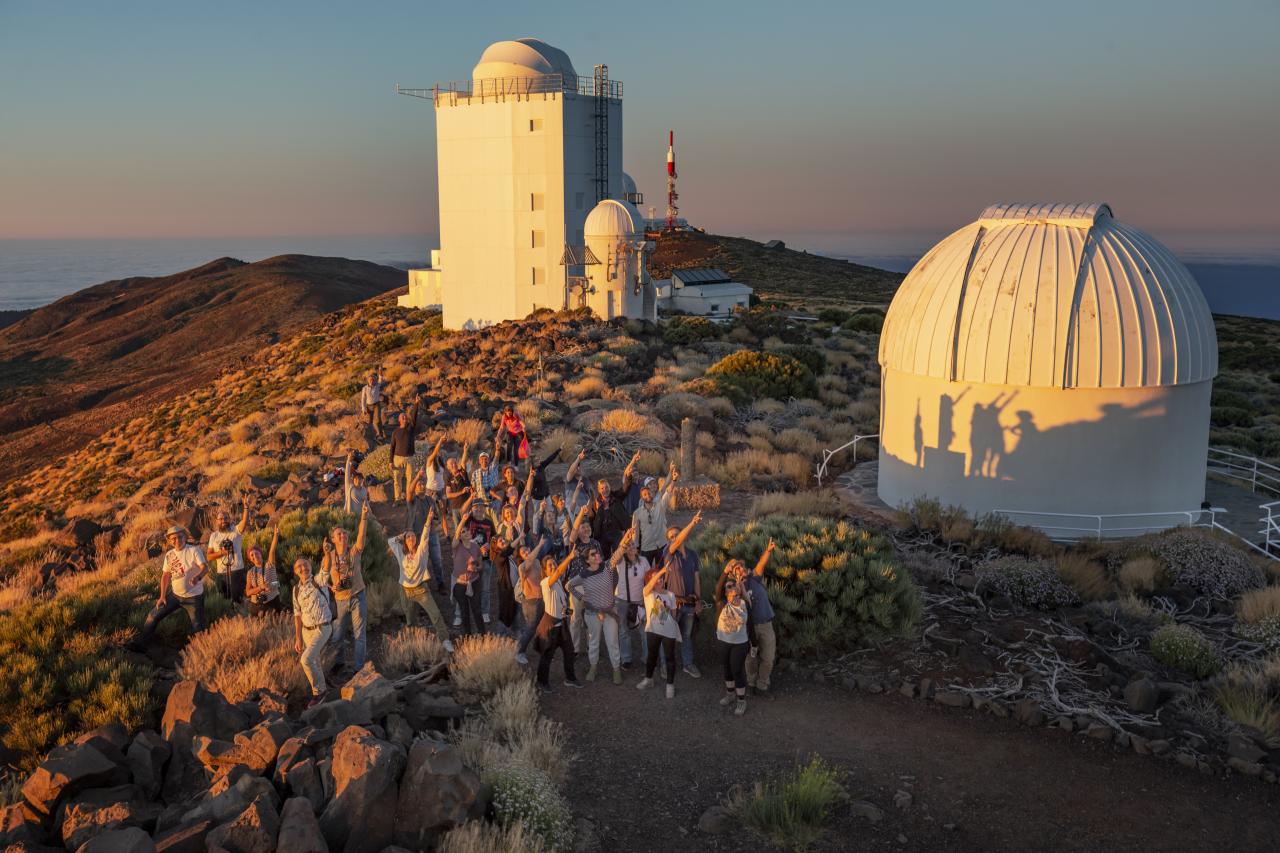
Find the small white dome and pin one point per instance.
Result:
(526, 57)
(1051, 295)
(628, 184)
(613, 218)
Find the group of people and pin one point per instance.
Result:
(562, 570)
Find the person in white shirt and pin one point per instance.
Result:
(371, 404)
(731, 640)
(553, 631)
(181, 586)
(632, 567)
(650, 518)
(661, 628)
(312, 626)
(411, 552)
(226, 545)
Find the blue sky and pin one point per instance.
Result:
(158, 119)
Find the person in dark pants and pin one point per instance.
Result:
(467, 598)
(553, 631)
(661, 629)
(181, 587)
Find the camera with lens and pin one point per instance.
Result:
(344, 583)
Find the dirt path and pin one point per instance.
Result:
(649, 767)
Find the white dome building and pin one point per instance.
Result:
(619, 282)
(519, 58)
(1049, 362)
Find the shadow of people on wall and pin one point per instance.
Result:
(919, 436)
(986, 436)
(946, 418)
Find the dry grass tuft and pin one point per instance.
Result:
(239, 654)
(411, 649)
(823, 502)
(1141, 574)
(565, 440)
(586, 388)
(1088, 578)
(467, 431)
(1259, 604)
(479, 836)
(484, 663)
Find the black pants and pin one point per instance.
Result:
(231, 584)
(733, 657)
(469, 607)
(195, 612)
(510, 450)
(272, 606)
(668, 645)
(554, 634)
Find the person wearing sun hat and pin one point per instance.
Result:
(181, 586)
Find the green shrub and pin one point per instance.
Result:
(1230, 416)
(278, 472)
(832, 585)
(811, 357)
(866, 320)
(523, 794)
(302, 534)
(682, 331)
(1265, 632)
(834, 316)
(770, 322)
(388, 342)
(790, 811)
(1027, 581)
(1205, 563)
(747, 375)
(1183, 647)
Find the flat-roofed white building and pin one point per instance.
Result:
(706, 291)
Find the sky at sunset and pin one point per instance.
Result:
(135, 119)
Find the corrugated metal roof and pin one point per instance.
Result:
(1051, 296)
(701, 275)
(719, 288)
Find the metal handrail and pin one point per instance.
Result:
(1100, 526)
(1270, 531)
(821, 467)
(502, 87)
(1260, 475)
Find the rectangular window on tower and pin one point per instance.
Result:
(539, 275)
(539, 239)
(536, 201)
(535, 125)
(577, 201)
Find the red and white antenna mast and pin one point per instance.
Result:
(672, 195)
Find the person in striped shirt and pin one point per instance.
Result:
(261, 585)
(593, 587)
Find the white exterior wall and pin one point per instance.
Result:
(616, 296)
(490, 163)
(424, 289)
(1076, 450)
(692, 301)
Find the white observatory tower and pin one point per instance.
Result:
(617, 280)
(525, 148)
(1052, 363)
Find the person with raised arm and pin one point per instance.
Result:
(485, 478)
(371, 403)
(354, 494)
(661, 629)
(226, 546)
(457, 485)
(764, 651)
(411, 553)
(684, 583)
(632, 567)
(731, 637)
(403, 445)
(579, 537)
(422, 501)
(529, 594)
(261, 584)
(341, 569)
(593, 587)
(312, 626)
(182, 576)
(650, 517)
(553, 630)
(435, 472)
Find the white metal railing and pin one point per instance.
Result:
(1270, 531)
(1103, 525)
(1261, 476)
(821, 467)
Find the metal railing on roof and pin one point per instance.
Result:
(1260, 476)
(501, 88)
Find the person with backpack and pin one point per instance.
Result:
(661, 628)
(312, 626)
(632, 567)
(341, 566)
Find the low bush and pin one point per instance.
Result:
(586, 388)
(240, 654)
(811, 357)
(1027, 581)
(1251, 707)
(821, 502)
(747, 375)
(1142, 574)
(1184, 648)
(674, 408)
(411, 649)
(870, 321)
(682, 331)
(831, 585)
(1087, 577)
(523, 794)
(1205, 563)
(484, 663)
(1258, 605)
(790, 811)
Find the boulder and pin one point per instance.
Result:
(224, 806)
(903, 800)
(228, 775)
(303, 781)
(99, 810)
(338, 713)
(368, 690)
(259, 745)
(1028, 712)
(192, 710)
(67, 771)
(360, 818)
(299, 829)
(438, 793)
(288, 491)
(951, 698)
(866, 810)
(292, 751)
(128, 840)
(212, 753)
(111, 740)
(1244, 749)
(254, 830)
(1141, 695)
(147, 755)
(187, 838)
(83, 531)
(715, 821)
(19, 824)
(399, 731)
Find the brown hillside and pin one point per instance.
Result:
(73, 369)
(813, 280)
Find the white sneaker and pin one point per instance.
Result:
(485, 617)
(671, 691)
(457, 620)
(522, 659)
(692, 671)
(644, 684)
(448, 646)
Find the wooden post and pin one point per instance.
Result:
(688, 449)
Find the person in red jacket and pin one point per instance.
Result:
(512, 435)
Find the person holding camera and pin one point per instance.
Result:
(371, 404)
(312, 626)
(411, 553)
(479, 527)
(594, 586)
(226, 545)
(181, 586)
(631, 567)
(553, 630)
(650, 518)
(661, 629)
(341, 567)
(261, 585)
(529, 593)
(684, 583)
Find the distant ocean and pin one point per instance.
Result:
(37, 272)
